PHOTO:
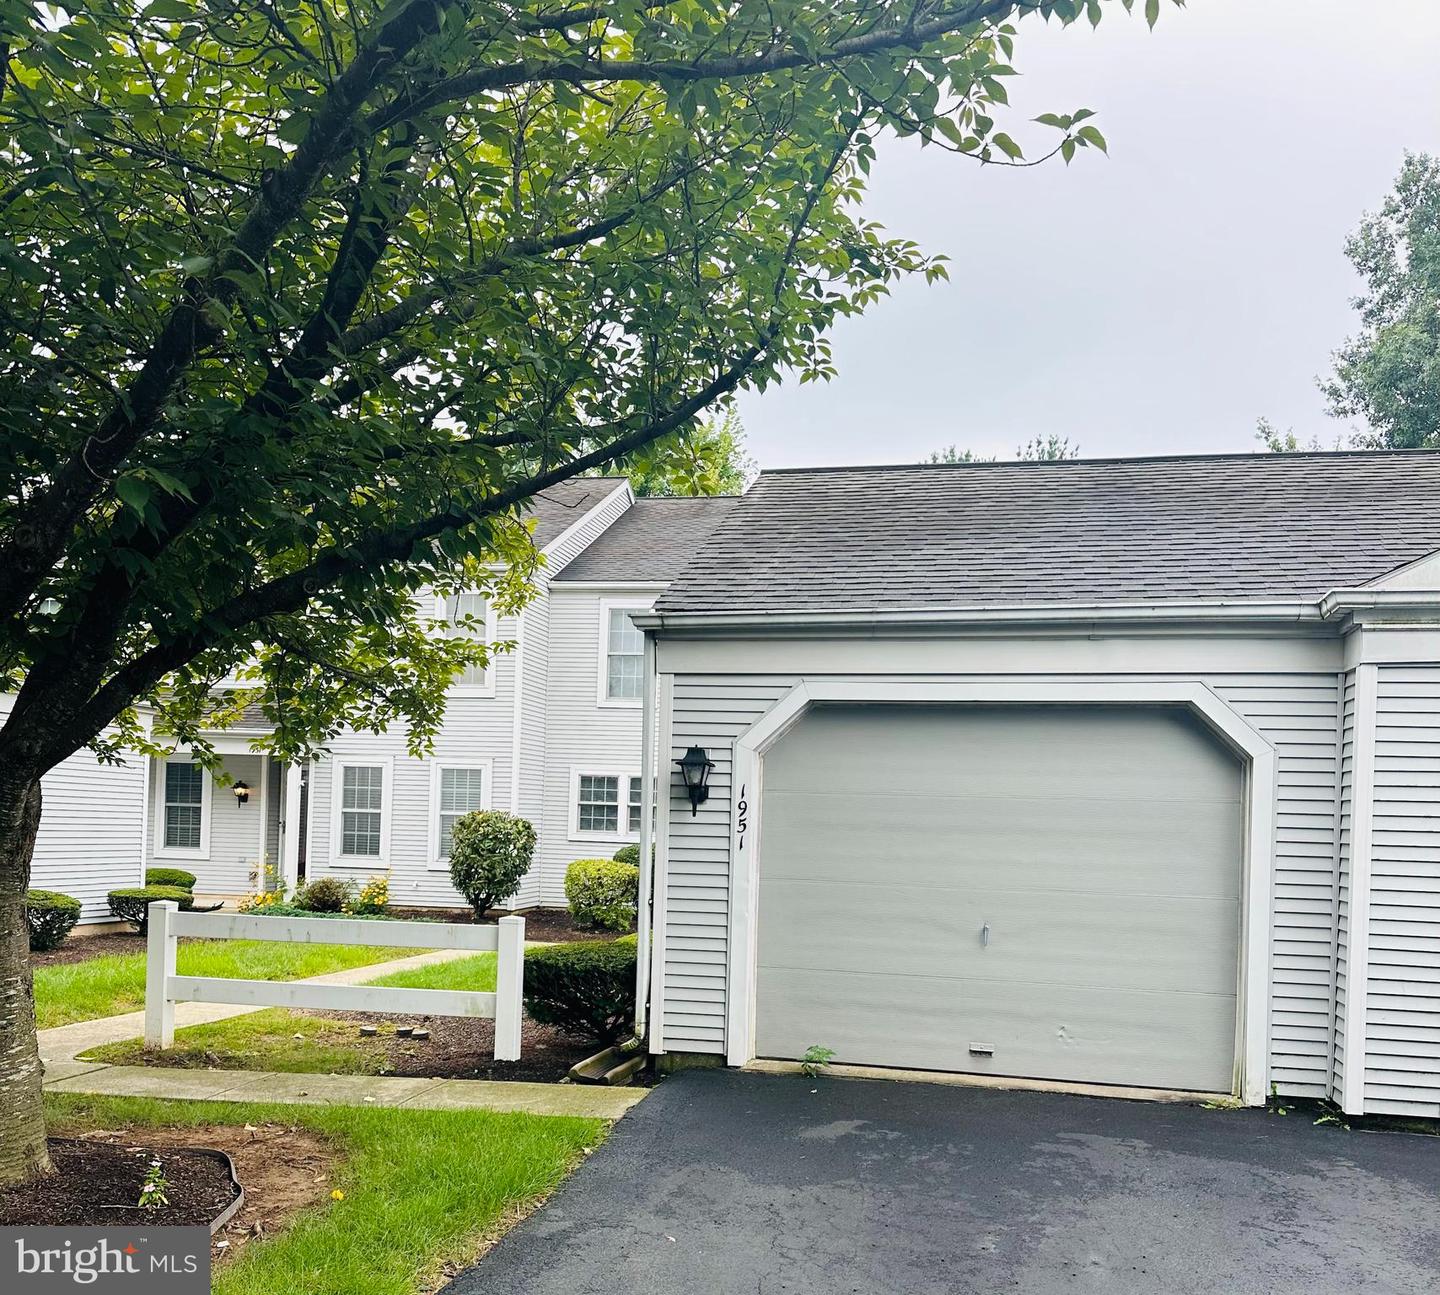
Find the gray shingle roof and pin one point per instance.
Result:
(560, 506)
(655, 540)
(1085, 532)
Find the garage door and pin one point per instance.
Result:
(1041, 891)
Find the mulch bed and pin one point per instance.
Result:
(98, 1185)
(81, 948)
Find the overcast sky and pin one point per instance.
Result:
(1156, 302)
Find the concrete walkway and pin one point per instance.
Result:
(64, 1073)
(343, 1090)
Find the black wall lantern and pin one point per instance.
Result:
(242, 793)
(695, 768)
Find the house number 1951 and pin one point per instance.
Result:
(741, 805)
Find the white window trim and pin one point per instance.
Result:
(602, 660)
(492, 632)
(372, 862)
(433, 861)
(207, 787)
(621, 837)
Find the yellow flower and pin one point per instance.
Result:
(337, 1195)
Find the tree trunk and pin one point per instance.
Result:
(23, 1153)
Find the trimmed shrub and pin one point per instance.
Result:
(602, 893)
(628, 854)
(132, 903)
(170, 877)
(490, 854)
(51, 916)
(373, 899)
(586, 989)
(324, 895)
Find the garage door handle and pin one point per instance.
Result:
(985, 936)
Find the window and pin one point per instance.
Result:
(184, 806)
(460, 792)
(598, 803)
(605, 804)
(624, 656)
(468, 616)
(362, 808)
(632, 822)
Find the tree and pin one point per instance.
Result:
(1041, 448)
(707, 458)
(1389, 373)
(302, 301)
(1277, 442)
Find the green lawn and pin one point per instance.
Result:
(81, 991)
(422, 1189)
(267, 1040)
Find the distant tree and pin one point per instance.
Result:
(1389, 373)
(1050, 447)
(1286, 442)
(953, 454)
(707, 458)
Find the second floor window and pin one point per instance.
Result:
(624, 657)
(466, 617)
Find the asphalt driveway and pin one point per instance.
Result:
(722, 1183)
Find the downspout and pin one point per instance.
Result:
(647, 840)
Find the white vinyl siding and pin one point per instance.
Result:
(1296, 711)
(233, 836)
(1402, 1022)
(92, 828)
(581, 733)
(362, 801)
(184, 805)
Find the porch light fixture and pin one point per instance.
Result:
(242, 792)
(695, 768)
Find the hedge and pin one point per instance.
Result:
(170, 877)
(603, 894)
(586, 989)
(51, 917)
(627, 854)
(325, 895)
(132, 903)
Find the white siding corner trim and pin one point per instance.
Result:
(746, 840)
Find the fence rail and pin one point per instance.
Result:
(164, 988)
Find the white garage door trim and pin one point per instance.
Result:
(1252, 1025)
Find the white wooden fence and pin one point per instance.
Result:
(163, 988)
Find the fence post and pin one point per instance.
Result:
(159, 968)
(509, 985)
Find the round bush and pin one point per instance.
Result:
(324, 895)
(586, 989)
(170, 877)
(132, 903)
(602, 893)
(628, 854)
(51, 916)
(490, 854)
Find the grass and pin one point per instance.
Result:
(82, 991)
(268, 1040)
(423, 1190)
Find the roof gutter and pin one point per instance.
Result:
(1397, 602)
(1290, 611)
